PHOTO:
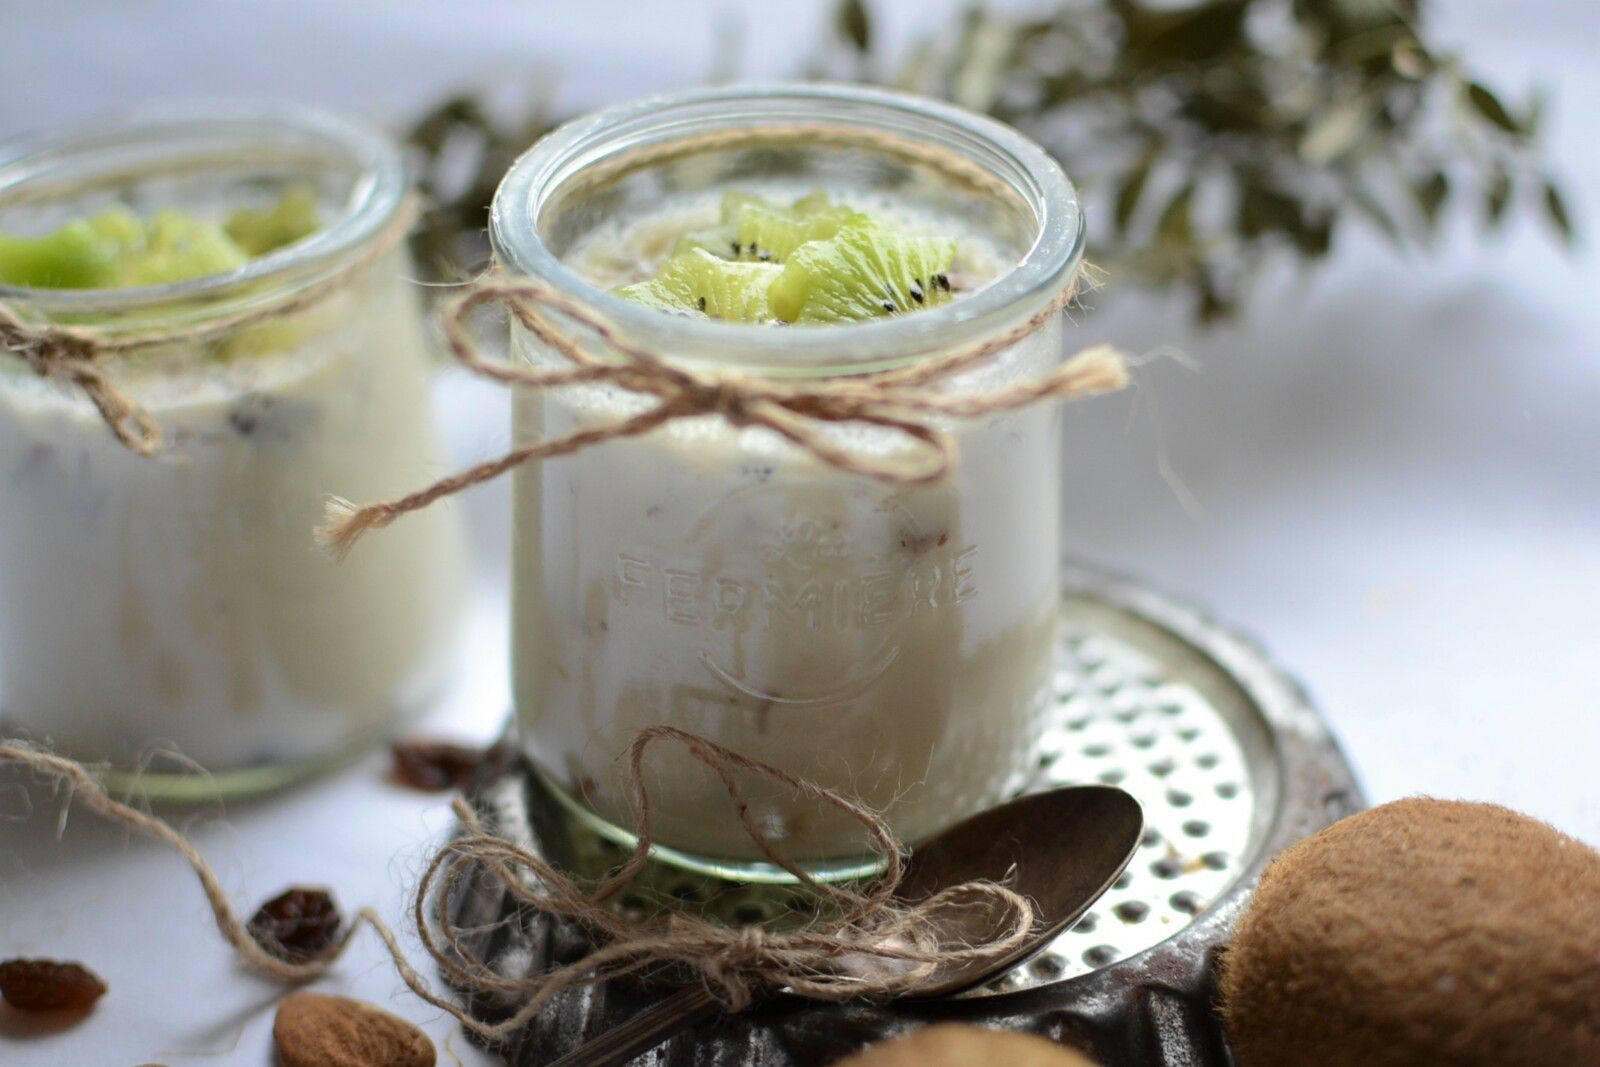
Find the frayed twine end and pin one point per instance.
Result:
(1105, 369)
(344, 523)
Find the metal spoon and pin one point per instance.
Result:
(1061, 849)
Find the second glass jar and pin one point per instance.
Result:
(177, 600)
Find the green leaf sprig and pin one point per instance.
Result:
(1213, 136)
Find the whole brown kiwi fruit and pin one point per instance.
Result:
(952, 1045)
(1421, 932)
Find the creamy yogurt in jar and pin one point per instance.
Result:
(179, 599)
(893, 644)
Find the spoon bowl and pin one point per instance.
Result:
(1060, 849)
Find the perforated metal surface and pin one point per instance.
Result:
(1127, 715)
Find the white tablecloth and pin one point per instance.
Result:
(1389, 471)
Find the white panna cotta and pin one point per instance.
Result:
(892, 644)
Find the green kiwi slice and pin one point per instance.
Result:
(177, 247)
(296, 215)
(115, 248)
(757, 230)
(864, 271)
(763, 232)
(73, 257)
(695, 281)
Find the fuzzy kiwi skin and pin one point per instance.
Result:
(1421, 932)
(954, 1045)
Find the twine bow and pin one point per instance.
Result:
(800, 412)
(71, 354)
(874, 945)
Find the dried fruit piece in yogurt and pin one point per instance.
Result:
(317, 1030)
(435, 766)
(49, 985)
(298, 924)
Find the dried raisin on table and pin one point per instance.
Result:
(49, 985)
(435, 766)
(298, 924)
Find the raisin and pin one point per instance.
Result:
(297, 925)
(435, 766)
(46, 985)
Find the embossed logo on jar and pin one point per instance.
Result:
(802, 604)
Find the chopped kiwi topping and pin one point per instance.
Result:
(696, 280)
(865, 270)
(813, 261)
(296, 216)
(114, 248)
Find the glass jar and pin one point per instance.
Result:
(894, 644)
(177, 600)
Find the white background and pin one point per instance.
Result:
(1394, 466)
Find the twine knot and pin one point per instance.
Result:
(722, 398)
(68, 355)
(727, 966)
(907, 402)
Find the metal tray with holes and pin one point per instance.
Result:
(1228, 758)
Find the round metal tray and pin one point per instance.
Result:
(1226, 755)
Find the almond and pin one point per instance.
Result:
(318, 1030)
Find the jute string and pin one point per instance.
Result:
(801, 412)
(899, 940)
(73, 354)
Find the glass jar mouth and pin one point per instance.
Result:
(161, 140)
(870, 118)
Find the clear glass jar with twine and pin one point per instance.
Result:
(165, 451)
(833, 549)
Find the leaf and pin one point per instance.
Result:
(1314, 236)
(1176, 227)
(1213, 305)
(1497, 197)
(1489, 106)
(1410, 61)
(1336, 132)
(1373, 208)
(1127, 201)
(1192, 34)
(1555, 207)
(1265, 209)
(1431, 193)
(987, 46)
(854, 24)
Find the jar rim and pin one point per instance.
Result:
(539, 175)
(374, 199)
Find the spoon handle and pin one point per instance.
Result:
(643, 1031)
